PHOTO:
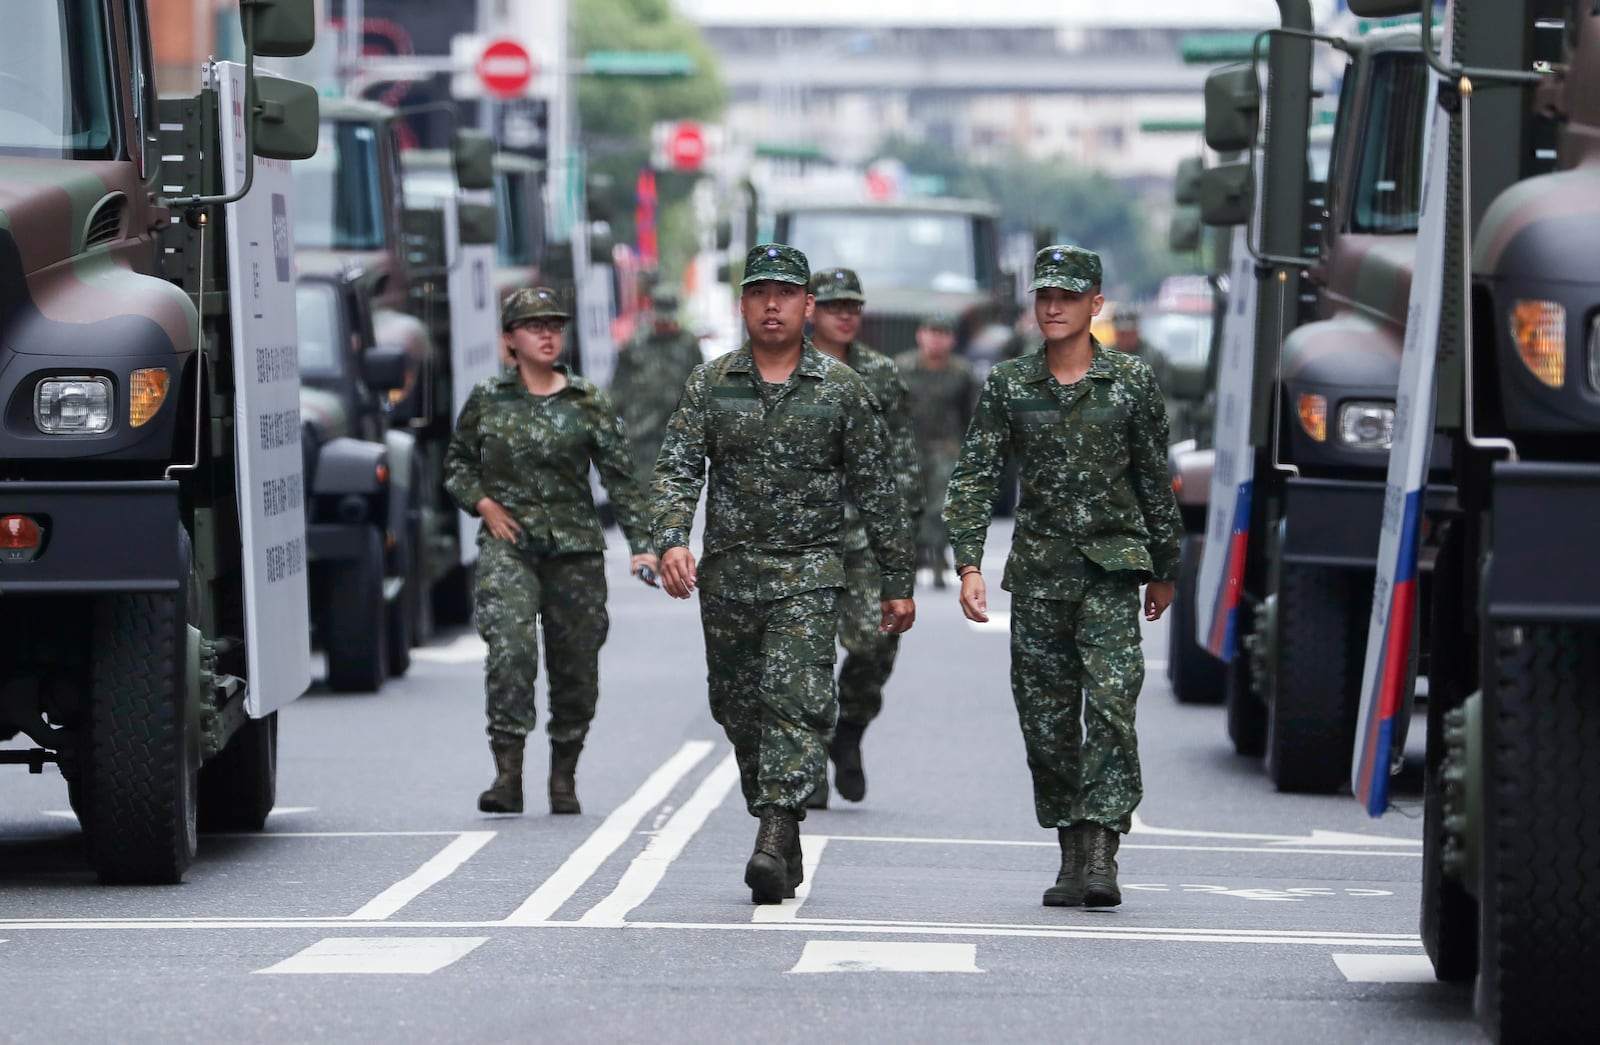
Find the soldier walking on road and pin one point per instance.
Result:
(790, 435)
(942, 391)
(651, 369)
(1096, 519)
(869, 651)
(519, 460)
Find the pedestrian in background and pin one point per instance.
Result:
(942, 391)
(869, 651)
(519, 460)
(651, 368)
(1096, 519)
(790, 436)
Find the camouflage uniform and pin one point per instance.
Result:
(1096, 519)
(651, 370)
(783, 460)
(531, 454)
(941, 408)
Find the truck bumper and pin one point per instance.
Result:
(1332, 522)
(97, 537)
(325, 541)
(1545, 567)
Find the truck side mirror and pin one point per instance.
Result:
(1233, 105)
(724, 234)
(1226, 194)
(1382, 8)
(472, 155)
(385, 367)
(280, 28)
(1183, 235)
(479, 222)
(287, 112)
(1186, 189)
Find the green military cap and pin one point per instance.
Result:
(531, 303)
(836, 285)
(938, 321)
(663, 299)
(778, 262)
(1068, 267)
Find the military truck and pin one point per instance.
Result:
(1292, 549)
(518, 209)
(1511, 811)
(151, 533)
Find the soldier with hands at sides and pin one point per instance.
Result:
(519, 460)
(1096, 519)
(790, 435)
(942, 391)
(651, 369)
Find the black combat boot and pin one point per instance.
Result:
(1068, 890)
(767, 873)
(795, 866)
(563, 767)
(819, 797)
(505, 794)
(1100, 874)
(845, 750)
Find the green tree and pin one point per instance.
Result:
(615, 114)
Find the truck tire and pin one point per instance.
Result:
(1539, 885)
(138, 786)
(1247, 719)
(239, 786)
(1317, 659)
(452, 596)
(357, 620)
(1196, 676)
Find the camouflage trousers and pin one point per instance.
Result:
(931, 533)
(519, 589)
(644, 448)
(1076, 672)
(869, 653)
(769, 670)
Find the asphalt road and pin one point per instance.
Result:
(379, 905)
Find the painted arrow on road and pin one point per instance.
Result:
(1318, 836)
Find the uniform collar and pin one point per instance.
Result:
(1035, 366)
(812, 362)
(513, 380)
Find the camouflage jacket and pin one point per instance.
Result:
(883, 381)
(784, 459)
(531, 454)
(651, 371)
(1092, 459)
(941, 402)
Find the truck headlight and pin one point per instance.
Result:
(1539, 329)
(1367, 425)
(72, 405)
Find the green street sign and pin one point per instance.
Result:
(638, 63)
(1172, 126)
(1215, 48)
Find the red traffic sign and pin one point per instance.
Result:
(506, 68)
(686, 147)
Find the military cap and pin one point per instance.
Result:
(938, 321)
(531, 303)
(836, 285)
(778, 262)
(663, 298)
(1068, 267)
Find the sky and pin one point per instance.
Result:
(1183, 13)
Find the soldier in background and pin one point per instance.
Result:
(651, 369)
(790, 435)
(942, 393)
(519, 460)
(869, 652)
(1097, 518)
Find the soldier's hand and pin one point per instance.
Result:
(975, 597)
(898, 616)
(646, 567)
(677, 572)
(498, 520)
(1158, 596)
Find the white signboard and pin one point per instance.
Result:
(266, 367)
(1228, 516)
(474, 333)
(1387, 680)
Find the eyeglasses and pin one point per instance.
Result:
(842, 308)
(540, 326)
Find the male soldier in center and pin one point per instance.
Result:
(943, 391)
(790, 435)
(869, 652)
(651, 369)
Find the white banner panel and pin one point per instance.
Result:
(474, 333)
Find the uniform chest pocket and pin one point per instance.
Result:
(1113, 414)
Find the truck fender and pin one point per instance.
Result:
(1347, 351)
(402, 452)
(352, 466)
(1191, 482)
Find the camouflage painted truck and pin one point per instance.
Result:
(151, 542)
(1511, 811)
(1284, 584)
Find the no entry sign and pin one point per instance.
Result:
(506, 68)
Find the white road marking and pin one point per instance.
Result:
(650, 866)
(612, 832)
(1385, 968)
(1293, 893)
(1318, 836)
(67, 814)
(999, 620)
(878, 956)
(431, 873)
(1299, 849)
(810, 859)
(467, 648)
(416, 955)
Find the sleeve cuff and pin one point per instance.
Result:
(671, 538)
(897, 586)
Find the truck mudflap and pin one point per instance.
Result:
(75, 557)
(1333, 522)
(1544, 567)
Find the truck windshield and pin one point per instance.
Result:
(55, 87)
(317, 313)
(891, 250)
(338, 193)
(1388, 178)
